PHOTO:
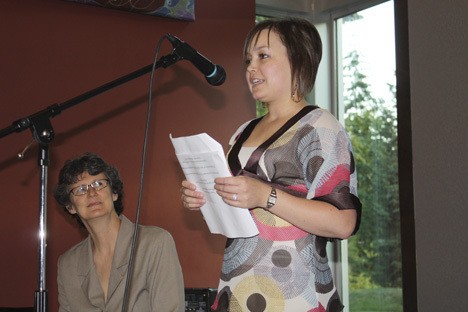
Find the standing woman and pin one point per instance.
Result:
(294, 170)
(92, 275)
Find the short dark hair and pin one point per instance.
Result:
(303, 44)
(93, 165)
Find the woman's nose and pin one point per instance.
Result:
(91, 191)
(251, 67)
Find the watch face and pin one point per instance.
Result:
(272, 198)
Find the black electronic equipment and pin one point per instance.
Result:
(199, 299)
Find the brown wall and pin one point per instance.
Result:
(52, 51)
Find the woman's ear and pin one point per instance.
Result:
(70, 209)
(114, 196)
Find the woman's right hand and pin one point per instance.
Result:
(191, 198)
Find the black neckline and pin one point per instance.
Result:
(252, 163)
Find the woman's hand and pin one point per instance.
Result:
(242, 191)
(191, 198)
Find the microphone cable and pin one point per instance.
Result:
(143, 161)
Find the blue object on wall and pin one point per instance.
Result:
(178, 9)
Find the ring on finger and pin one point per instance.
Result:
(234, 197)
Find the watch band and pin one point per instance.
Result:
(271, 199)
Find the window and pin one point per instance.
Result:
(366, 59)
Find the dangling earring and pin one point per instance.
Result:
(295, 96)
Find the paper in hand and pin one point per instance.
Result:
(202, 160)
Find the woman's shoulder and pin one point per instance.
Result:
(154, 234)
(239, 131)
(72, 253)
(148, 235)
(321, 118)
(153, 230)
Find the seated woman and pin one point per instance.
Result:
(92, 275)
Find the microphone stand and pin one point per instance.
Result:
(42, 131)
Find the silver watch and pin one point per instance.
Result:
(271, 199)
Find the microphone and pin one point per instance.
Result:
(214, 74)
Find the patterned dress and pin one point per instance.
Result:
(285, 268)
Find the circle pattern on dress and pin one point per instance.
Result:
(270, 297)
(288, 271)
(242, 254)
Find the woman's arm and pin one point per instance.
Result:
(165, 275)
(313, 216)
(64, 306)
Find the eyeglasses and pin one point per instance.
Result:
(96, 185)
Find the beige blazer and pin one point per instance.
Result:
(157, 283)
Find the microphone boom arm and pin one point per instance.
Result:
(38, 121)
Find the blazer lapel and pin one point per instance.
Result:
(121, 258)
(90, 282)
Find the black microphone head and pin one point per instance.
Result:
(217, 77)
(214, 74)
(173, 40)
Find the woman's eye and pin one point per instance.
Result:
(262, 56)
(82, 189)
